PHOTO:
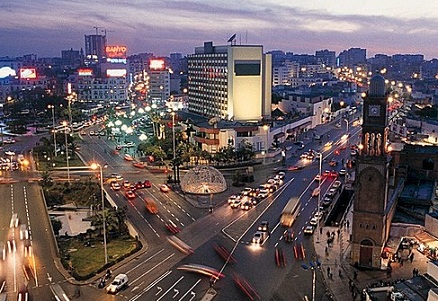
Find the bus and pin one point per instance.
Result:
(290, 212)
(151, 206)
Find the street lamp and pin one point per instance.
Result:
(65, 123)
(173, 141)
(313, 266)
(347, 122)
(54, 130)
(266, 129)
(319, 195)
(95, 166)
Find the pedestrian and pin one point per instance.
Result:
(348, 224)
(339, 232)
(328, 234)
(320, 231)
(328, 271)
(340, 273)
(354, 275)
(401, 261)
(411, 257)
(331, 275)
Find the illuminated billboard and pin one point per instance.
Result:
(156, 64)
(116, 51)
(85, 72)
(28, 73)
(116, 72)
(7, 71)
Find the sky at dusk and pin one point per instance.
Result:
(45, 27)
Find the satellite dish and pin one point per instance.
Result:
(232, 38)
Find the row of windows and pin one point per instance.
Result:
(366, 226)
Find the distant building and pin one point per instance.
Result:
(326, 57)
(230, 82)
(94, 48)
(352, 57)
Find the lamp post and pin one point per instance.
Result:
(266, 129)
(347, 122)
(53, 125)
(319, 195)
(312, 266)
(95, 166)
(173, 143)
(65, 123)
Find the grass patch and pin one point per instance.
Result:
(89, 260)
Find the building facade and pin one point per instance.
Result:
(232, 82)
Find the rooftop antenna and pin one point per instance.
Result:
(232, 40)
(97, 29)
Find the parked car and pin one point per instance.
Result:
(118, 283)
(309, 230)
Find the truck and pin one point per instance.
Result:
(151, 206)
(290, 212)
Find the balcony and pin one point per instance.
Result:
(206, 141)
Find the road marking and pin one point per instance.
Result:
(147, 259)
(152, 268)
(146, 289)
(170, 288)
(190, 290)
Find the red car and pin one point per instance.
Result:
(130, 195)
(139, 185)
(147, 184)
(138, 164)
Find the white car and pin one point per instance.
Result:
(24, 233)
(14, 221)
(258, 238)
(336, 184)
(309, 230)
(263, 193)
(231, 199)
(236, 203)
(313, 221)
(118, 283)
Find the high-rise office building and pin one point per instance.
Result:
(230, 82)
(94, 48)
(352, 57)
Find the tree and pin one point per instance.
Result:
(46, 179)
(56, 225)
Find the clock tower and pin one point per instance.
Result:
(371, 213)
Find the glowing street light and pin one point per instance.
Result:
(54, 130)
(65, 123)
(95, 166)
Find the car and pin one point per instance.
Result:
(14, 221)
(317, 137)
(353, 153)
(318, 214)
(236, 203)
(231, 199)
(128, 157)
(313, 221)
(172, 227)
(246, 191)
(246, 205)
(295, 167)
(331, 193)
(326, 202)
(119, 282)
(116, 177)
(316, 192)
(336, 184)
(263, 193)
(318, 177)
(139, 185)
(333, 162)
(264, 226)
(126, 184)
(130, 195)
(130, 144)
(328, 144)
(298, 143)
(281, 174)
(258, 238)
(9, 141)
(309, 230)
(24, 232)
(164, 188)
(342, 172)
(138, 164)
(326, 173)
(115, 186)
(333, 173)
(147, 184)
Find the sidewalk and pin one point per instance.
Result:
(343, 285)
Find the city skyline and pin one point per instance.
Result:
(163, 27)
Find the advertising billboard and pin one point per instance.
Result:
(7, 71)
(116, 51)
(156, 64)
(116, 72)
(85, 72)
(28, 73)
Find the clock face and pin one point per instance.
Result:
(374, 111)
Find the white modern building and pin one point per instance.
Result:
(231, 82)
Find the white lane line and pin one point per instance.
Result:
(170, 288)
